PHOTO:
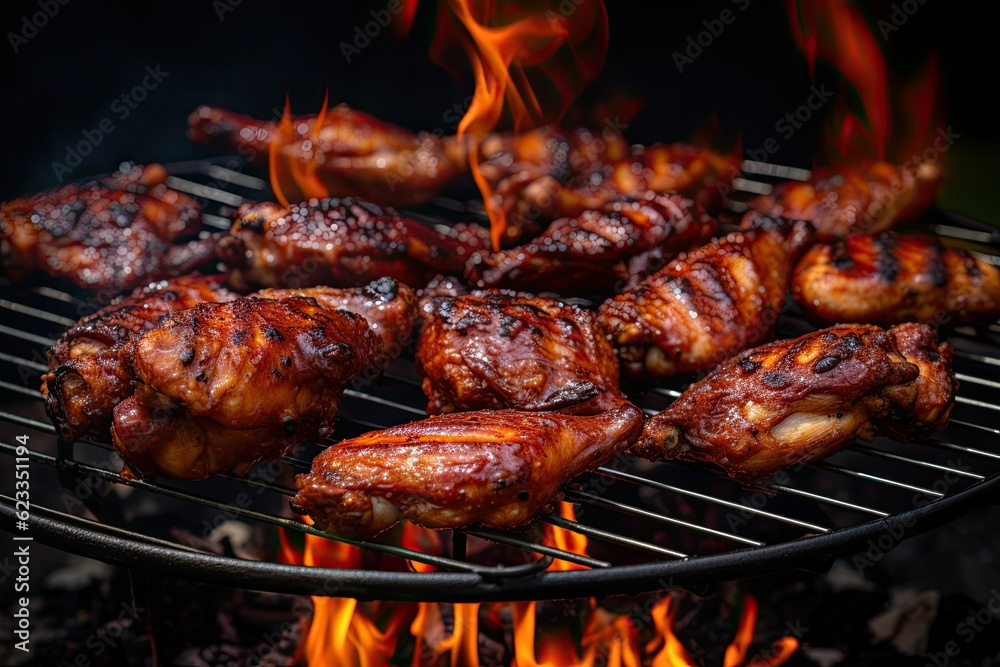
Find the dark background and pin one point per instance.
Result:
(64, 80)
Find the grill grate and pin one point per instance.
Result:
(650, 526)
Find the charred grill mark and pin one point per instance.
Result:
(748, 365)
(273, 334)
(886, 257)
(935, 267)
(239, 335)
(827, 364)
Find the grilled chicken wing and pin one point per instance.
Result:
(388, 306)
(554, 172)
(706, 304)
(800, 400)
(352, 153)
(867, 199)
(337, 242)
(493, 468)
(223, 385)
(596, 251)
(496, 351)
(887, 278)
(111, 235)
(88, 375)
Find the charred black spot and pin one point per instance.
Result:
(827, 364)
(932, 356)
(286, 361)
(886, 257)
(775, 379)
(840, 260)
(840, 415)
(289, 425)
(852, 342)
(522, 495)
(200, 377)
(169, 295)
(749, 365)
(239, 336)
(337, 351)
(500, 485)
(536, 331)
(383, 289)
(277, 374)
(972, 267)
(187, 356)
(754, 432)
(273, 334)
(935, 268)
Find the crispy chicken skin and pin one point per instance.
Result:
(888, 278)
(339, 243)
(388, 306)
(799, 400)
(552, 172)
(864, 199)
(491, 468)
(707, 304)
(498, 351)
(223, 385)
(597, 251)
(109, 235)
(354, 154)
(88, 375)
(936, 385)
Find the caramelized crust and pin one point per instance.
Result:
(388, 306)
(554, 172)
(888, 278)
(794, 401)
(597, 251)
(223, 385)
(340, 243)
(88, 375)
(497, 351)
(706, 304)
(865, 199)
(492, 468)
(111, 234)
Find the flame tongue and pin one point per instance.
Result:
(522, 54)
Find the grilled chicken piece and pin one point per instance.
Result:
(707, 304)
(388, 306)
(597, 251)
(936, 385)
(799, 400)
(337, 242)
(887, 278)
(88, 374)
(496, 351)
(351, 153)
(554, 172)
(224, 385)
(867, 199)
(110, 235)
(491, 468)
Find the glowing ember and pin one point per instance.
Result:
(517, 50)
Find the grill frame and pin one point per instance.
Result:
(468, 582)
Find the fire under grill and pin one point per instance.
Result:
(649, 526)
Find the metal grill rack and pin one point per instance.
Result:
(650, 526)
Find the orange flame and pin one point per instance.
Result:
(567, 540)
(298, 174)
(516, 50)
(860, 127)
